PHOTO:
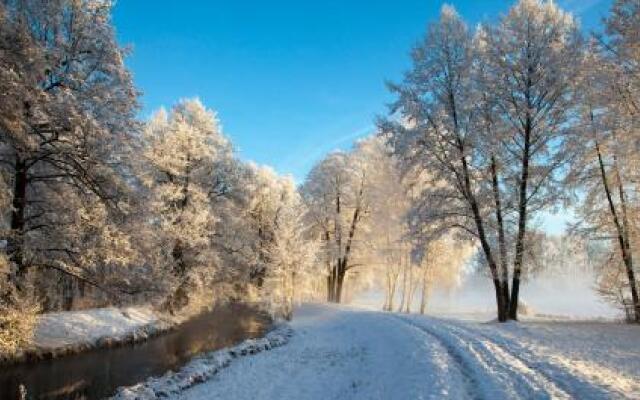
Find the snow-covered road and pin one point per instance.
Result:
(343, 353)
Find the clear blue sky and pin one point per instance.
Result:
(290, 80)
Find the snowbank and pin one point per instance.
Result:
(70, 332)
(203, 368)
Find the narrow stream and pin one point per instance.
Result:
(96, 374)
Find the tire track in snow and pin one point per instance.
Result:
(466, 370)
(565, 373)
(479, 377)
(495, 372)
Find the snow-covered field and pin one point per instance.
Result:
(348, 353)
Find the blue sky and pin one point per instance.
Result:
(290, 80)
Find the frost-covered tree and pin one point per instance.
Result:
(492, 129)
(484, 119)
(291, 251)
(435, 133)
(621, 46)
(604, 174)
(334, 194)
(67, 111)
(183, 146)
(530, 68)
(246, 229)
(440, 266)
(341, 192)
(17, 314)
(386, 239)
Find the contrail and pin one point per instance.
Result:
(304, 159)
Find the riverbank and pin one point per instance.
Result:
(98, 373)
(63, 333)
(203, 368)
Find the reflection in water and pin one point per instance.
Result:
(97, 373)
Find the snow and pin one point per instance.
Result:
(203, 368)
(64, 329)
(339, 352)
(543, 359)
(68, 332)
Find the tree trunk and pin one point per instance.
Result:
(425, 288)
(404, 286)
(289, 296)
(473, 205)
(392, 280)
(329, 288)
(410, 286)
(504, 272)
(67, 293)
(627, 241)
(344, 261)
(338, 238)
(522, 222)
(327, 238)
(386, 297)
(392, 294)
(19, 205)
(486, 247)
(391, 277)
(622, 241)
(179, 299)
(339, 283)
(424, 298)
(332, 284)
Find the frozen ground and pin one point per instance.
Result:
(348, 353)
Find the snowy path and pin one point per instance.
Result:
(342, 353)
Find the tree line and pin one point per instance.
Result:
(518, 116)
(490, 127)
(100, 208)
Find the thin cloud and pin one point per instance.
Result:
(579, 7)
(304, 160)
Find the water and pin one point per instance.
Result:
(97, 373)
